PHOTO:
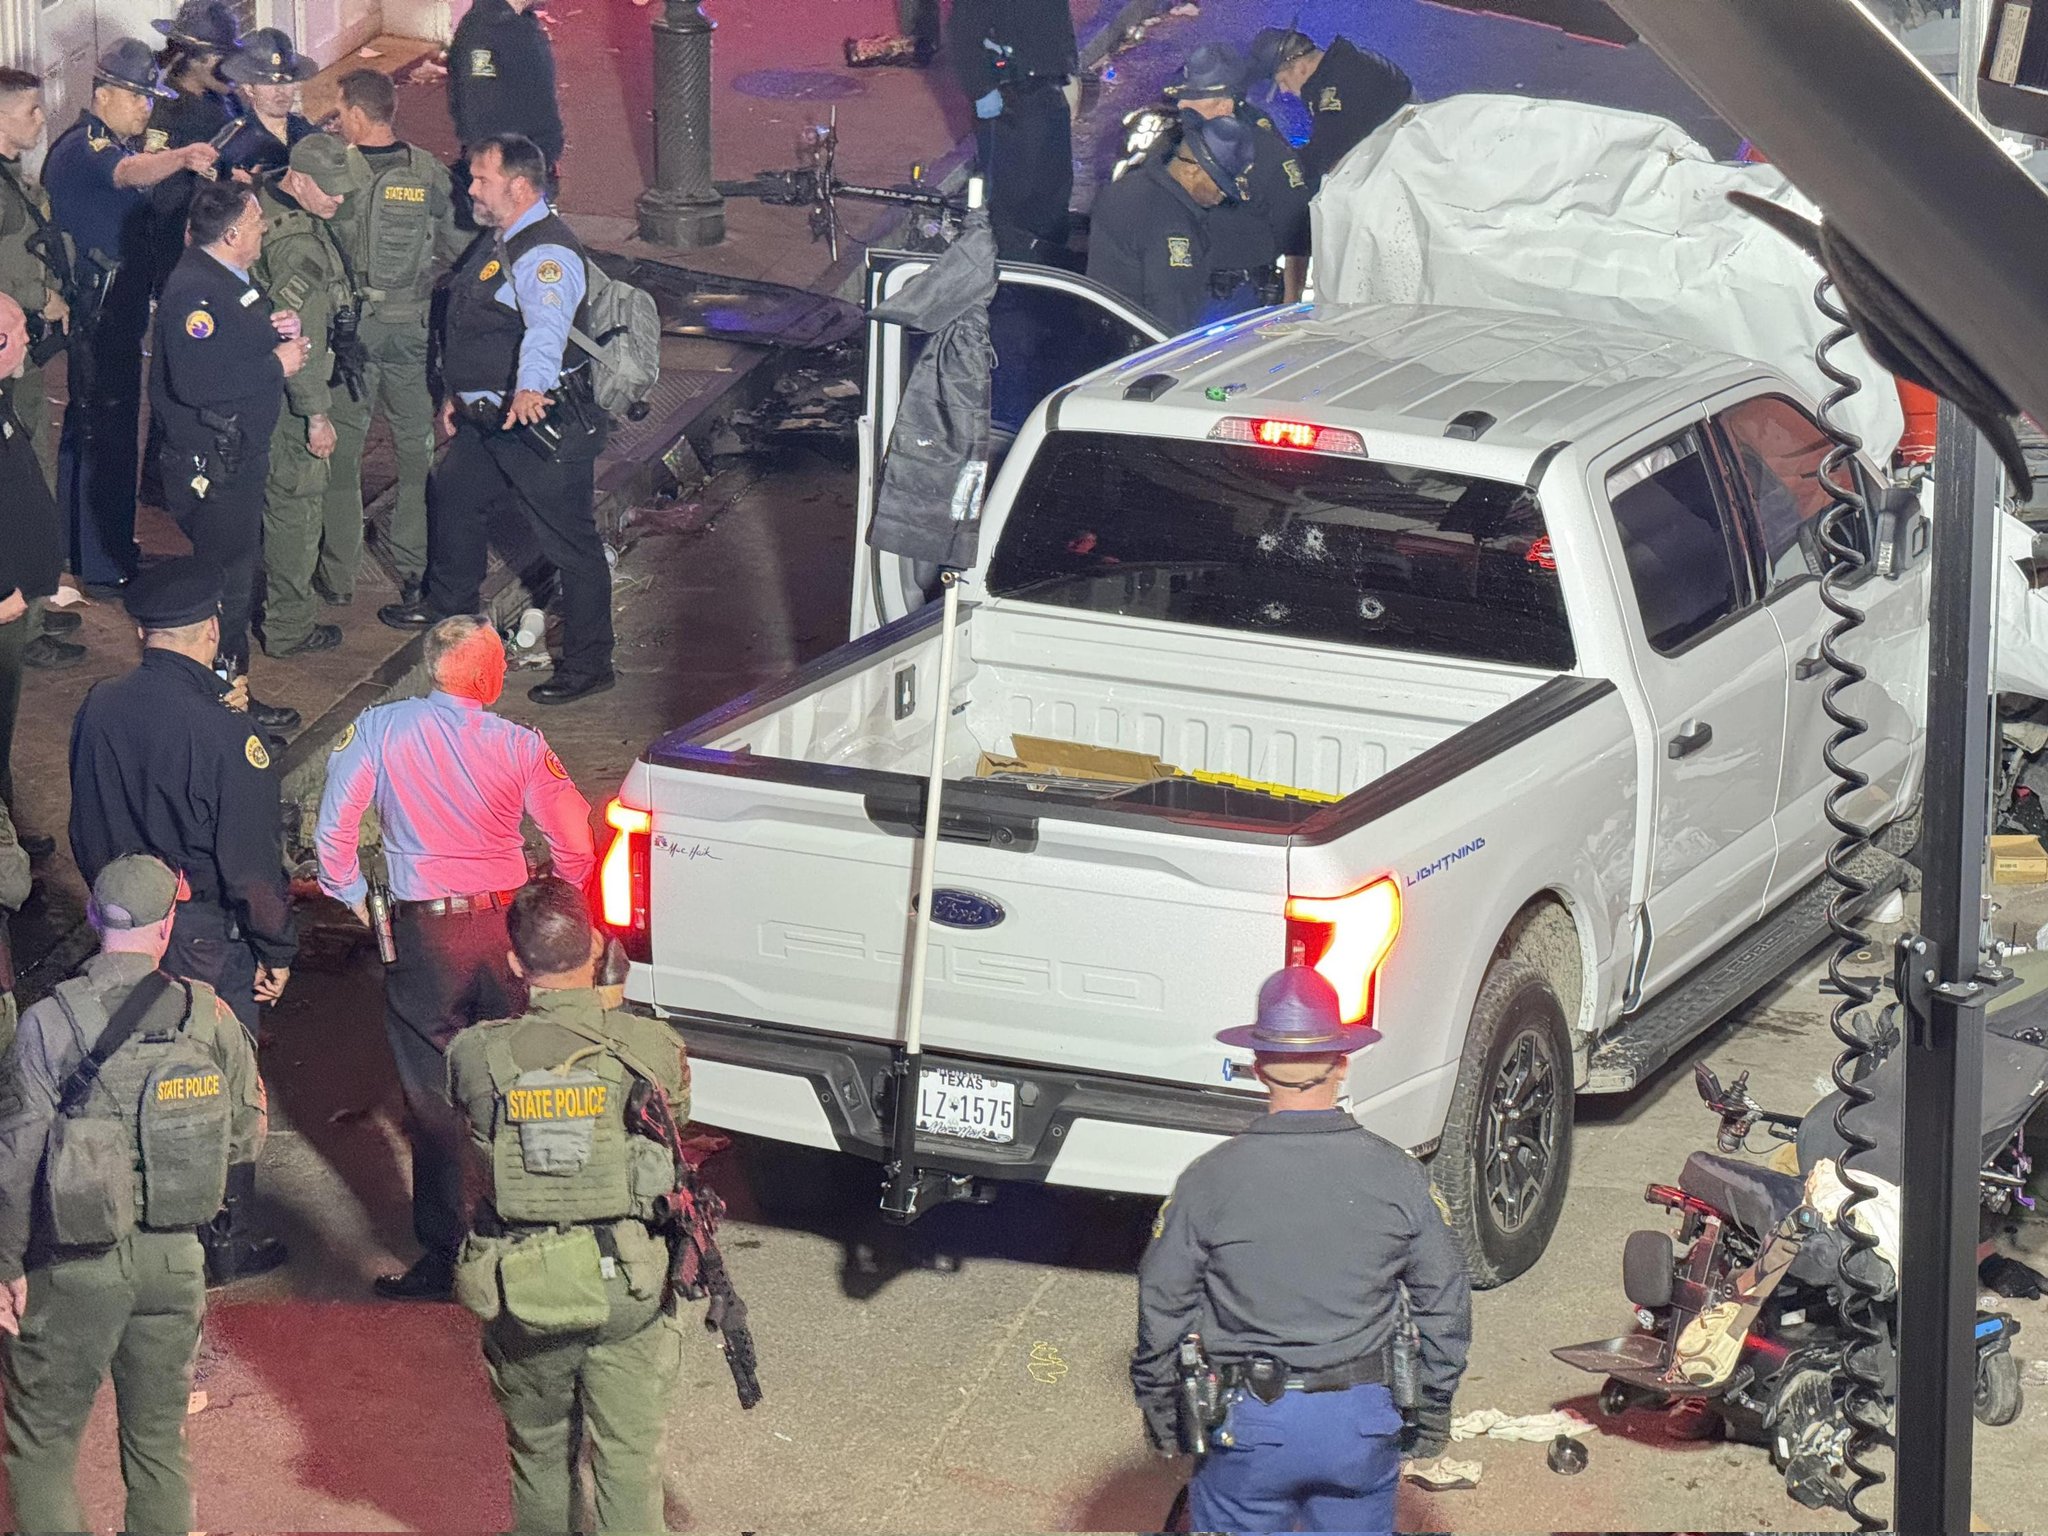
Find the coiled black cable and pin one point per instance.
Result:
(1844, 539)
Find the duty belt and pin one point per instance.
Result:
(1264, 1372)
(487, 414)
(453, 906)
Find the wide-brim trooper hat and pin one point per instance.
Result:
(1221, 146)
(1299, 1015)
(267, 57)
(1275, 46)
(202, 24)
(1214, 70)
(130, 65)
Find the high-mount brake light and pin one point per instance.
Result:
(1541, 555)
(623, 876)
(1273, 432)
(1347, 939)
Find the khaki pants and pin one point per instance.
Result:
(292, 498)
(133, 1311)
(32, 405)
(395, 382)
(622, 1379)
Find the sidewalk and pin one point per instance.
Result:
(778, 68)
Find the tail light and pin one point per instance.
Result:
(622, 878)
(1347, 939)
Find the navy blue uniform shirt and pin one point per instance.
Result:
(97, 215)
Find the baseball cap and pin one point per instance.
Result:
(336, 168)
(134, 891)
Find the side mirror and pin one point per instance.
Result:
(1902, 531)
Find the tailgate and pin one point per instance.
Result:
(782, 893)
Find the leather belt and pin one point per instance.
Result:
(455, 906)
(1371, 1371)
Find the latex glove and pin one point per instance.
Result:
(989, 106)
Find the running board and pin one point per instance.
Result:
(1631, 1053)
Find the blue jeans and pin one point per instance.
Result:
(1313, 1461)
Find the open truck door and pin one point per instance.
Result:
(1048, 327)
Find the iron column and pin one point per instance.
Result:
(682, 208)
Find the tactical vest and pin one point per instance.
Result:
(559, 1150)
(482, 347)
(148, 1144)
(290, 282)
(24, 213)
(392, 237)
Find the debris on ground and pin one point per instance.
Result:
(670, 517)
(897, 50)
(1441, 1474)
(1566, 1457)
(701, 1146)
(820, 400)
(1185, 8)
(1497, 1424)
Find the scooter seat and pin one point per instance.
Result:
(1756, 1198)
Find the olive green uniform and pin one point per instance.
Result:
(15, 885)
(301, 269)
(24, 278)
(130, 1306)
(572, 1325)
(399, 235)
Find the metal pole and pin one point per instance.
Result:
(1943, 1042)
(683, 207)
(1975, 26)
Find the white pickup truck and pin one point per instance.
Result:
(1523, 612)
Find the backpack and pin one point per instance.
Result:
(624, 343)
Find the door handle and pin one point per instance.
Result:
(1810, 665)
(1685, 743)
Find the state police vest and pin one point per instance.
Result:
(396, 231)
(148, 1144)
(558, 1138)
(482, 347)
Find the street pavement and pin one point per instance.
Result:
(967, 1374)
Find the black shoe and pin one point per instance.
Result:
(413, 615)
(51, 654)
(273, 717)
(60, 621)
(432, 1278)
(566, 690)
(37, 845)
(321, 637)
(409, 590)
(242, 1257)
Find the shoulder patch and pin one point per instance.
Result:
(491, 270)
(253, 750)
(1180, 251)
(199, 326)
(1329, 100)
(549, 271)
(348, 735)
(481, 65)
(1159, 1221)
(1295, 180)
(154, 140)
(555, 764)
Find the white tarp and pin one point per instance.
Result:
(1593, 214)
(2019, 629)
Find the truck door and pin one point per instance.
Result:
(1773, 448)
(1049, 328)
(1711, 669)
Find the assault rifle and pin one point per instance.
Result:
(689, 1216)
(815, 181)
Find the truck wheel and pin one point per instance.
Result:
(1506, 1153)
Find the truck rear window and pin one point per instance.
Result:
(1273, 541)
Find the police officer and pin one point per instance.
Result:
(564, 1235)
(99, 191)
(199, 39)
(27, 275)
(266, 72)
(1151, 237)
(501, 80)
(1349, 91)
(1286, 1248)
(123, 1068)
(451, 782)
(1272, 222)
(217, 376)
(31, 538)
(399, 236)
(303, 269)
(525, 428)
(1014, 58)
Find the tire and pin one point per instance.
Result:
(1514, 1091)
(1999, 1394)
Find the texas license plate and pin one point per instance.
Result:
(967, 1105)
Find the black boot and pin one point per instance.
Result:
(431, 1278)
(233, 1252)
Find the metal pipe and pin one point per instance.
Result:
(682, 208)
(1943, 1044)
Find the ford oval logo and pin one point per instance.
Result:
(964, 909)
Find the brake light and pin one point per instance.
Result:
(1347, 939)
(622, 878)
(1272, 432)
(1541, 555)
